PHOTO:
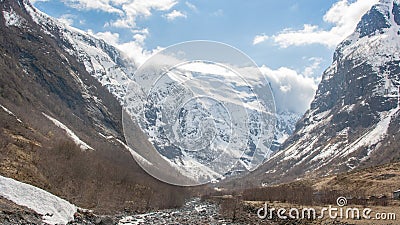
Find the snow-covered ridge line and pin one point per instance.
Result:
(70, 133)
(374, 48)
(53, 209)
(101, 60)
(10, 113)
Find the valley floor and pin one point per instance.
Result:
(193, 212)
(218, 210)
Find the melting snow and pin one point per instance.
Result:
(54, 209)
(70, 133)
(13, 19)
(374, 136)
(99, 61)
(10, 113)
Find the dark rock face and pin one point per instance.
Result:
(396, 13)
(10, 214)
(285, 126)
(36, 66)
(373, 22)
(89, 218)
(351, 120)
(47, 68)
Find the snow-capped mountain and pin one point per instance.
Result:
(103, 61)
(73, 50)
(202, 118)
(61, 125)
(109, 67)
(285, 126)
(354, 118)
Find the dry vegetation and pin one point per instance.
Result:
(373, 181)
(107, 179)
(365, 188)
(35, 77)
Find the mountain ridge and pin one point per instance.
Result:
(61, 127)
(351, 121)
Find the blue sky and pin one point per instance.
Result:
(292, 41)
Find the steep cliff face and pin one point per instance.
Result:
(60, 114)
(353, 119)
(101, 60)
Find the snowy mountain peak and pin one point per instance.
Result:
(354, 114)
(103, 61)
(380, 24)
(377, 19)
(114, 71)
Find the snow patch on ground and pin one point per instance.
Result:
(191, 168)
(10, 113)
(70, 133)
(134, 154)
(54, 209)
(373, 137)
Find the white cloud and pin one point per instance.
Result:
(174, 14)
(128, 10)
(143, 8)
(310, 70)
(294, 7)
(111, 38)
(191, 6)
(134, 49)
(67, 19)
(140, 38)
(102, 5)
(121, 23)
(218, 13)
(343, 15)
(292, 91)
(259, 39)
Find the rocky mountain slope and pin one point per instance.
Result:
(354, 119)
(113, 71)
(60, 115)
(67, 86)
(201, 117)
(285, 126)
